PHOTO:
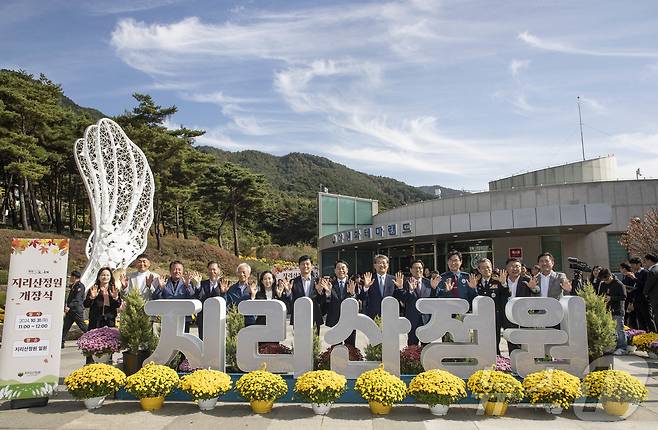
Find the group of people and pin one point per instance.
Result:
(327, 293)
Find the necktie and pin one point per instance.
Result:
(455, 287)
(341, 288)
(381, 285)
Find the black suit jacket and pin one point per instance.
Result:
(373, 298)
(409, 298)
(318, 300)
(498, 292)
(332, 307)
(76, 298)
(204, 292)
(261, 295)
(651, 285)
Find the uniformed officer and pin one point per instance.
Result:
(74, 308)
(499, 292)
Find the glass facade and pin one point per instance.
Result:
(617, 254)
(553, 244)
(339, 213)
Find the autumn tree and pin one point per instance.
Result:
(641, 236)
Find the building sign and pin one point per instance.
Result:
(382, 231)
(516, 253)
(30, 351)
(473, 332)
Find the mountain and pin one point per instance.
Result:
(445, 192)
(303, 174)
(94, 114)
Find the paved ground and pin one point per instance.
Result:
(64, 412)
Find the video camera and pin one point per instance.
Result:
(578, 265)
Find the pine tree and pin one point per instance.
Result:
(601, 328)
(135, 329)
(234, 323)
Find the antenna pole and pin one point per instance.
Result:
(580, 119)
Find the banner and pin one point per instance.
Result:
(30, 351)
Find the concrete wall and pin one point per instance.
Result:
(531, 248)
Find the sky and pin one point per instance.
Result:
(454, 93)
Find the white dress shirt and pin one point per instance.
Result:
(544, 281)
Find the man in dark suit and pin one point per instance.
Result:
(409, 291)
(455, 283)
(651, 285)
(305, 285)
(242, 290)
(74, 307)
(641, 303)
(519, 286)
(376, 287)
(551, 284)
(492, 287)
(341, 288)
(211, 287)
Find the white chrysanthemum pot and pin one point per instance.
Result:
(94, 402)
(439, 410)
(553, 409)
(321, 408)
(105, 359)
(207, 404)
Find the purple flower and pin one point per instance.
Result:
(654, 344)
(633, 332)
(184, 366)
(503, 364)
(100, 341)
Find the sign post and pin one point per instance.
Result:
(31, 337)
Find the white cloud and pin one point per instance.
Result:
(566, 48)
(594, 104)
(516, 66)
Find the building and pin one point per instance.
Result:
(574, 210)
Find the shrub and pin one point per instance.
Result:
(136, 332)
(601, 330)
(94, 380)
(99, 341)
(152, 380)
(555, 387)
(261, 385)
(614, 385)
(206, 384)
(324, 360)
(378, 385)
(321, 386)
(495, 385)
(234, 323)
(437, 387)
(273, 348)
(410, 360)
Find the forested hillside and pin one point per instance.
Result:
(238, 200)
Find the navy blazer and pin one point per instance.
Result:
(463, 290)
(409, 299)
(373, 297)
(204, 292)
(334, 301)
(234, 296)
(180, 291)
(261, 295)
(319, 300)
(76, 298)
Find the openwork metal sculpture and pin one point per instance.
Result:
(120, 187)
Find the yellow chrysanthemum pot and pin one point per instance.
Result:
(495, 409)
(616, 408)
(151, 403)
(378, 408)
(261, 406)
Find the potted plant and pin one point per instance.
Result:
(151, 384)
(381, 389)
(496, 389)
(94, 382)
(410, 360)
(438, 389)
(615, 389)
(261, 388)
(100, 343)
(504, 364)
(556, 389)
(643, 342)
(205, 386)
(135, 333)
(601, 337)
(321, 388)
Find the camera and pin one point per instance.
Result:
(576, 264)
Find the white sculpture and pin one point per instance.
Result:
(120, 187)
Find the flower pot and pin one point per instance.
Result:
(207, 404)
(262, 406)
(378, 408)
(553, 408)
(105, 358)
(495, 409)
(615, 408)
(631, 348)
(133, 362)
(321, 408)
(439, 410)
(652, 354)
(151, 403)
(94, 402)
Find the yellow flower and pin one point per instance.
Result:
(206, 384)
(152, 380)
(320, 386)
(94, 380)
(551, 386)
(380, 386)
(261, 385)
(614, 385)
(435, 387)
(495, 384)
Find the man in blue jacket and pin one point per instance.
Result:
(176, 286)
(376, 287)
(242, 290)
(455, 283)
